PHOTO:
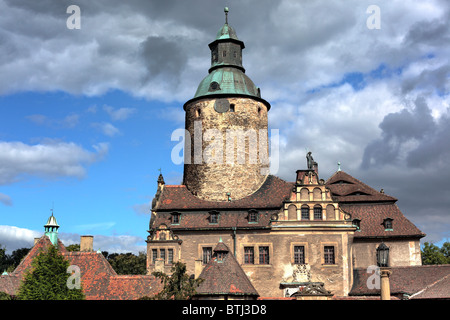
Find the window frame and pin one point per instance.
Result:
(264, 255)
(250, 255)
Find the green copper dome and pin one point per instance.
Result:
(227, 80)
(226, 32)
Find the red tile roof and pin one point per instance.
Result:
(270, 195)
(371, 218)
(98, 279)
(419, 282)
(225, 277)
(345, 188)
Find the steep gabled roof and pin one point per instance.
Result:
(345, 188)
(225, 277)
(98, 279)
(270, 195)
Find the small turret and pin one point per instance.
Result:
(51, 229)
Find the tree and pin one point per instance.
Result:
(178, 286)
(47, 279)
(73, 247)
(128, 263)
(432, 254)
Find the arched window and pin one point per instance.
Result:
(292, 212)
(317, 212)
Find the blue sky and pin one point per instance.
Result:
(86, 115)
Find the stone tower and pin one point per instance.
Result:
(226, 151)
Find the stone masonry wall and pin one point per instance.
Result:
(218, 143)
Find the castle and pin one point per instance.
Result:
(285, 235)
(248, 233)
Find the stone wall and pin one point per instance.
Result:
(228, 150)
(405, 252)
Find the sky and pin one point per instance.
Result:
(87, 113)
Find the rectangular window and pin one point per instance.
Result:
(154, 255)
(264, 255)
(170, 256)
(305, 213)
(207, 254)
(214, 218)
(318, 213)
(162, 254)
(299, 254)
(253, 216)
(175, 218)
(328, 254)
(249, 255)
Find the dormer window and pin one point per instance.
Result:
(388, 224)
(253, 216)
(176, 217)
(214, 217)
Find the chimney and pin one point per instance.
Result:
(87, 243)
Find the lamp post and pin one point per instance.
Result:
(385, 271)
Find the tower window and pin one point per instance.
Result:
(224, 54)
(198, 112)
(231, 107)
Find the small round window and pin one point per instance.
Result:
(214, 86)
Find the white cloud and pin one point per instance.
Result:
(19, 160)
(107, 128)
(5, 199)
(119, 114)
(14, 238)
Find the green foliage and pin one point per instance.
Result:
(128, 263)
(178, 286)
(5, 296)
(9, 262)
(47, 279)
(73, 247)
(432, 254)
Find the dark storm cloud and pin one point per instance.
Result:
(398, 129)
(162, 55)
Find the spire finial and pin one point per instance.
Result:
(339, 166)
(226, 14)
